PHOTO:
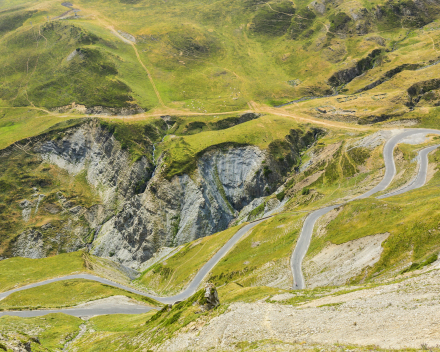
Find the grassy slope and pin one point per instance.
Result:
(19, 173)
(419, 46)
(171, 276)
(21, 123)
(267, 248)
(183, 150)
(410, 218)
(145, 331)
(276, 238)
(16, 272)
(345, 172)
(53, 330)
(223, 55)
(67, 293)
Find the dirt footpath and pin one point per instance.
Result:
(399, 315)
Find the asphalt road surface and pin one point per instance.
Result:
(188, 292)
(296, 259)
(81, 312)
(390, 171)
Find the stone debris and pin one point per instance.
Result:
(399, 315)
(29, 244)
(335, 265)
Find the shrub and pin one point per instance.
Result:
(280, 196)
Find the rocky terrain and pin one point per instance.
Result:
(187, 207)
(138, 209)
(92, 152)
(399, 315)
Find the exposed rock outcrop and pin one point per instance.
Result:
(93, 150)
(92, 156)
(99, 110)
(185, 208)
(419, 90)
(30, 244)
(211, 297)
(129, 223)
(347, 75)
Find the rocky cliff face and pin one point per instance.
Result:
(187, 207)
(87, 152)
(130, 226)
(108, 168)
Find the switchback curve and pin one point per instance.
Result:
(188, 292)
(390, 171)
(297, 255)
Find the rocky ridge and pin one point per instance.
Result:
(130, 223)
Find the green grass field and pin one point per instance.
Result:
(172, 275)
(20, 123)
(201, 56)
(67, 293)
(52, 330)
(266, 249)
(15, 272)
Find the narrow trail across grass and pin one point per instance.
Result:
(133, 45)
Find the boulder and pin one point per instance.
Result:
(211, 297)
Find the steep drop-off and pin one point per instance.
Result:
(128, 207)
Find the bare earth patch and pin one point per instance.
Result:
(336, 264)
(118, 300)
(399, 315)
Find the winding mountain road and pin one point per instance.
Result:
(188, 292)
(390, 172)
(297, 255)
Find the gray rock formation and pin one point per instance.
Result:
(319, 6)
(93, 150)
(26, 205)
(211, 297)
(129, 227)
(89, 150)
(30, 244)
(185, 208)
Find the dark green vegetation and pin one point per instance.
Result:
(138, 138)
(10, 21)
(424, 90)
(341, 169)
(273, 19)
(282, 137)
(56, 57)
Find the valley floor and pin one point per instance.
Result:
(399, 315)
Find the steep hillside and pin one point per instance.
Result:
(125, 190)
(151, 151)
(209, 56)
